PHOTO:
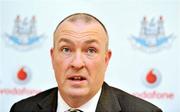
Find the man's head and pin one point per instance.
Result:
(80, 57)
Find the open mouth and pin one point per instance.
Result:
(77, 78)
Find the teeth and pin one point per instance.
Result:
(77, 78)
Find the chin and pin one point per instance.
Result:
(77, 92)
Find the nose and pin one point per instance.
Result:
(77, 61)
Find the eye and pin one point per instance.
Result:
(91, 50)
(66, 50)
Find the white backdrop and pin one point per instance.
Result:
(25, 68)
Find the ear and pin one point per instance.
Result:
(51, 52)
(52, 56)
(108, 56)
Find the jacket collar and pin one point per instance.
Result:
(108, 101)
(49, 103)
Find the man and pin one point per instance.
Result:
(80, 56)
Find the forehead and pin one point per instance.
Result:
(81, 30)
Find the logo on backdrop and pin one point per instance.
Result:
(152, 78)
(23, 75)
(24, 35)
(152, 36)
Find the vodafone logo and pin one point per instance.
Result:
(23, 75)
(152, 78)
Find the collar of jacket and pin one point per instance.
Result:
(108, 101)
(49, 103)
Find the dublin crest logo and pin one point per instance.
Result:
(152, 37)
(24, 35)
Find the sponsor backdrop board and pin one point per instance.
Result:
(144, 39)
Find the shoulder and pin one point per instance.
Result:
(32, 101)
(129, 102)
(38, 97)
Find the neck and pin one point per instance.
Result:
(77, 101)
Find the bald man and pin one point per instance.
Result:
(80, 56)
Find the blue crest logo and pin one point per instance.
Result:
(152, 36)
(24, 35)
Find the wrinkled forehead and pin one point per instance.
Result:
(81, 32)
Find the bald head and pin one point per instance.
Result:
(80, 18)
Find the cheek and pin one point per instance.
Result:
(59, 68)
(97, 68)
(60, 63)
(57, 64)
(96, 73)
